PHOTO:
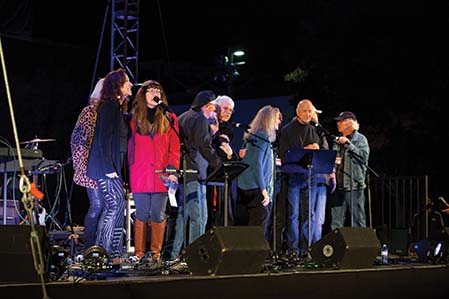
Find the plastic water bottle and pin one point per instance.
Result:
(384, 254)
(172, 185)
(172, 188)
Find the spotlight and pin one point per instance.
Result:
(435, 252)
(95, 258)
(440, 253)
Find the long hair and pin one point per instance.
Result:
(112, 84)
(265, 120)
(140, 115)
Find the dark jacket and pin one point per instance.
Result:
(295, 135)
(196, 135)
(104, 156)
(226, 129)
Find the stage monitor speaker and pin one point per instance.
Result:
(399, 241)
(228, 250)
(16, 255)
(347, 248)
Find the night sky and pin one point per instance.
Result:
(386, 62)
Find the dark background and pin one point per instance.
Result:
(385, 61)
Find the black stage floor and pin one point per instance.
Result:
(401, 280)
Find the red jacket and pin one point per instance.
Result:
(148, 154)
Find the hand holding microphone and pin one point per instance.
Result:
(342, 140)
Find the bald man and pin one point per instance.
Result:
(298, 134)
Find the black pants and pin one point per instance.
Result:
(251, 210)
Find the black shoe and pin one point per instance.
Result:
(293, 256)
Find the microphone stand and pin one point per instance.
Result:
(273, 212)
(73, 237)
(183, 172)
(358, 158)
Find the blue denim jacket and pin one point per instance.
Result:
(355, 160)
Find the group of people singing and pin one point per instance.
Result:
(155, 146)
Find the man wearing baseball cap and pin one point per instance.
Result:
(351, 166)
(196, 135)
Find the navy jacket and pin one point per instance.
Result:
(104, 156)
(197, 137)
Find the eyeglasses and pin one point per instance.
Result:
(154, 90)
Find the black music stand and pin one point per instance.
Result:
(222, 176)
(309, 162)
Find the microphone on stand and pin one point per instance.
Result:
(240, 125)
(320, 127)
(161, 104)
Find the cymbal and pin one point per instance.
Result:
(37, 140)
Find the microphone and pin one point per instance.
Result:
(161, 104)
(320, 127)
(336, 139)
(240, 125)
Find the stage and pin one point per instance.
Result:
(402, 280)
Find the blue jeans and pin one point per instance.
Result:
(320, 212)
(341, 202)
(150, 206)
(110, 227)
(298, 211)
(92, 216)
(195, 212)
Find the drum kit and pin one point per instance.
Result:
(34, 143)
(35, 164)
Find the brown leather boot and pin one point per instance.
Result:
(157, 239)
(140, 236)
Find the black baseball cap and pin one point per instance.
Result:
(202, 98)
(345, 115)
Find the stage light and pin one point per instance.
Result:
(232, 54)
(95, 258)
(437, 249)
(440, 253)
(435, 252)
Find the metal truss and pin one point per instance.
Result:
(125, 36)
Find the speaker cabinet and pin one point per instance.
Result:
(228, 250)
(16, 254)
(347, 248)
(399, 241)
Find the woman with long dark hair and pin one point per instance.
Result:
(106, 159)
(153, 147)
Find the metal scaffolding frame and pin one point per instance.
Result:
(125, 36)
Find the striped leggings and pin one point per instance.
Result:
(110, 226)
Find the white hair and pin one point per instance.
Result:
(96, 94)
(224, 99)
